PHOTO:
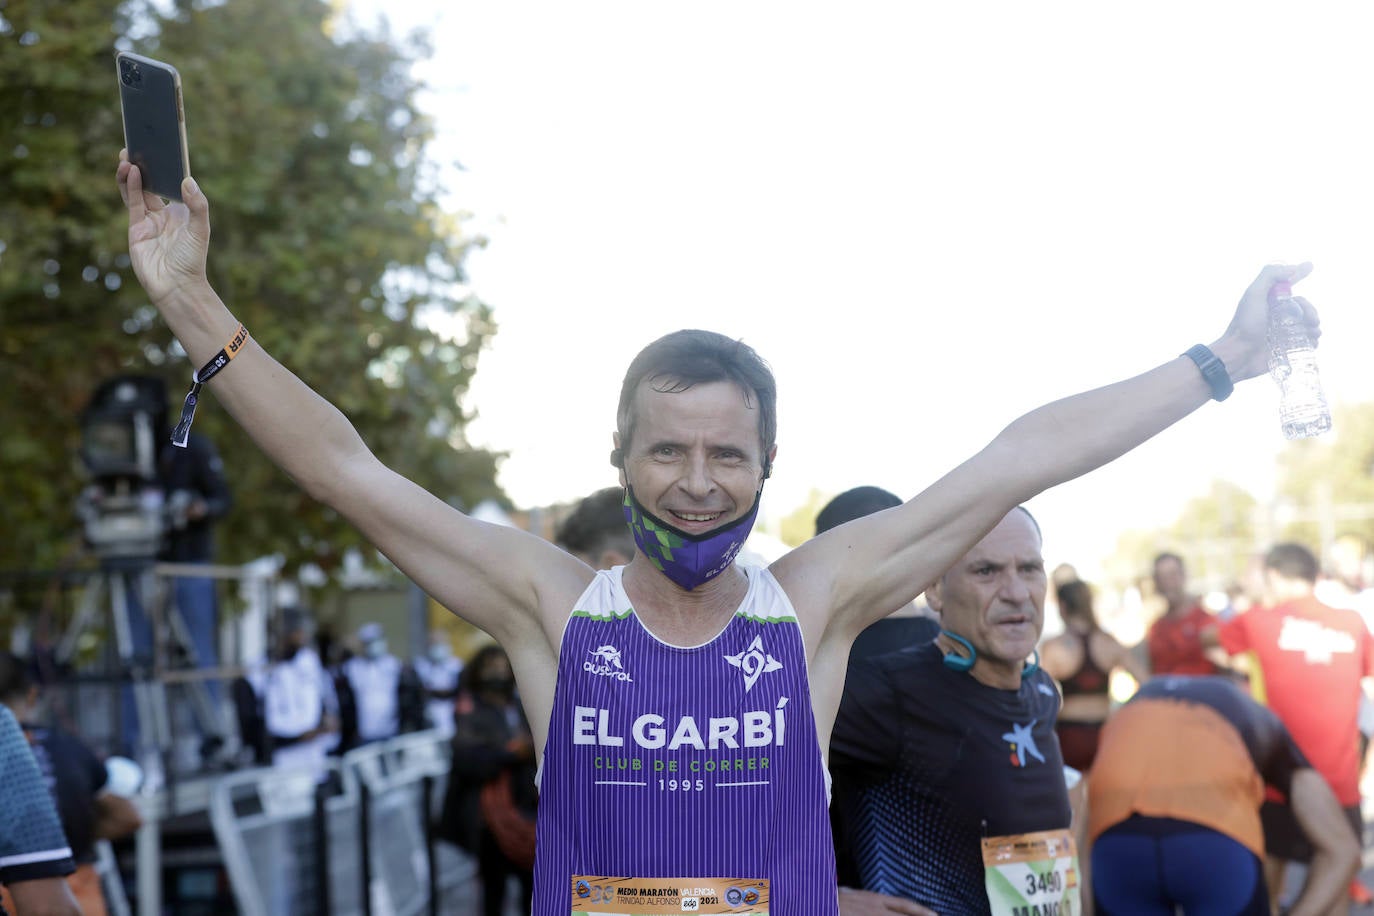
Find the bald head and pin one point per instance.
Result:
(994, 595)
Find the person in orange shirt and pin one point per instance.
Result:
(1308, 662)
(1174, 802)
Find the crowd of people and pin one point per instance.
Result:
(687, 719)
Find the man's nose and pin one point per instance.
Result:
(696, 478)
(1014, 589)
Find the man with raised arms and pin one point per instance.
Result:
(693, 634)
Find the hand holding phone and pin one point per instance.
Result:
(154, 122)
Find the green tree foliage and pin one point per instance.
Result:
(799, 525)
(328, 244)
(1215, 533)
(1327, 483)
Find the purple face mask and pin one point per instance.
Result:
(687, 559)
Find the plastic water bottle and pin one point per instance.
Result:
(1293, 365)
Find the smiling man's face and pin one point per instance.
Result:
(695, 460)
(994, 595)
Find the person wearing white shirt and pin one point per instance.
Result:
(297, 700)
(375, 679)
(438, 670)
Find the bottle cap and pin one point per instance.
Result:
(1282, 289)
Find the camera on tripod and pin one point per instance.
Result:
(125, 511)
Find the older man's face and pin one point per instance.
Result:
(994, 596)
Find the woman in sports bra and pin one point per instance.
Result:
(1082, 659)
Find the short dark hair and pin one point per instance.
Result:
(677, 361)
(1076, 600)
(467, 680)
(14, 677)
(852, 504)
(597, 523)
(1169, 555)
(1292, 561)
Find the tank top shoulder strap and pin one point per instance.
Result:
(765, 602)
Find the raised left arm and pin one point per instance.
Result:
(858, 572)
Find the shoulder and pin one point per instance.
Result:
(1040, 692)
(1106, 645)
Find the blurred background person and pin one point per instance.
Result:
(1082, 660)
(77, 780)
(198, 497)
(438, 671)
(34, 856)
(373, 679)
(489, 807)
(1175, 639)
(299, 708)
(596, 532)
(1174, 801)
(1309, 664)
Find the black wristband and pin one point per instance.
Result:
(1213, 371)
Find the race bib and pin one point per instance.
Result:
(1033, 874)
(600, 896)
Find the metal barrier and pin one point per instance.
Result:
(356, 845)
(403, 870)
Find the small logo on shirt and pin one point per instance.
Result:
(1022, 743)
(754, 662)
(610, 666)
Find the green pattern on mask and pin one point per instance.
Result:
(667, 540)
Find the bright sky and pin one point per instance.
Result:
(929, 218)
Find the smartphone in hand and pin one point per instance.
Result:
(154, 122)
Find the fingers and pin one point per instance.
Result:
(1310, 318)
(1292, 273)
(1272, 275)
(131, 189)
(199, 205)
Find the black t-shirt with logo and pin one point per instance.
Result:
(926, 762)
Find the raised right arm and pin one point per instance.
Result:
(511, 584)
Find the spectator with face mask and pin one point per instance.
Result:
(438, 671)
(491, 799)
(298, 703)
(374, 678)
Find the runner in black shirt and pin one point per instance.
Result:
(936, 754)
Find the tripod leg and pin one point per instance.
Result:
(82, 620)
(207, 716)
(151, 730)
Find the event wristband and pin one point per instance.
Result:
(207, 372)
(1213, 371)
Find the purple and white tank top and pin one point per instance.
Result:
(699, 765)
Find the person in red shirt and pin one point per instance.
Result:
(1175, 640)
(1308, 664)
